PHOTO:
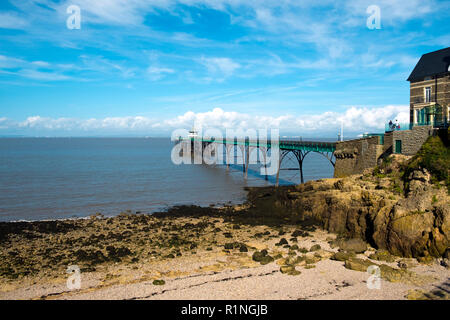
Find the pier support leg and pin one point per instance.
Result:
(243, 158)
(300, 155)
(277, 183)
(301, 173)
(264, 154)
(228, 149)
(282, 155)
(247, 160)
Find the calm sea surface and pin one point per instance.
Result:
(48, 178)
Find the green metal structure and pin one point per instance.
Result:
(300, 149)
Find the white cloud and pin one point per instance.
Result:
(30, 70)
(41, 64)
(10, 20)
(119, 12)
(393, 11)
(157, 73)
(43, 76)
(9, 62)
(45, 71)
(275, 15)
(101, 65)
(331, 28)
(92, 125)
(355, 119)
(5, 123)
(222, 67)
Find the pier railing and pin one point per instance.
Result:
(298, 148)
(282, 144)
(408, 126)
(398, 126)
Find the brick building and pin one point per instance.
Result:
(429, 113)
(430, 89)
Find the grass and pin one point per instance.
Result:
(384, 169)
(377, 173)
(434, 156)
(434, 200)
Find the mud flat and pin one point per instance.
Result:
(203, 253)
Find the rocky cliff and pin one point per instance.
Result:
(399, 206)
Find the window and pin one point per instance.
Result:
(428, 94)
(422, 116)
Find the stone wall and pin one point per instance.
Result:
(411, 140)
(388, 147)
(355, 156)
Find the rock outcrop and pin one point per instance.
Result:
(409, 221)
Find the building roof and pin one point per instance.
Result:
(430, 64)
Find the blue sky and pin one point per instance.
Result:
(141, 67)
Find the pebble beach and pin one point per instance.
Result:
(202, 253)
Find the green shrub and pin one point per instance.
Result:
(434, 156)
(434, 199)
(377, 172)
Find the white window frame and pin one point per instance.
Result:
(427, 92)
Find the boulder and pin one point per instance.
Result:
(243, 248)
(382, 255)
(266, 259)
(409, 234)
(262, 257)
(300, 233)
(229, 246)
(257, 256)
(437, 294)
(407, 263)
(290, 270)
(354, 245)
(342, 255)
(282, 242)
(159, 282)
(312, 259)
(358, 264)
